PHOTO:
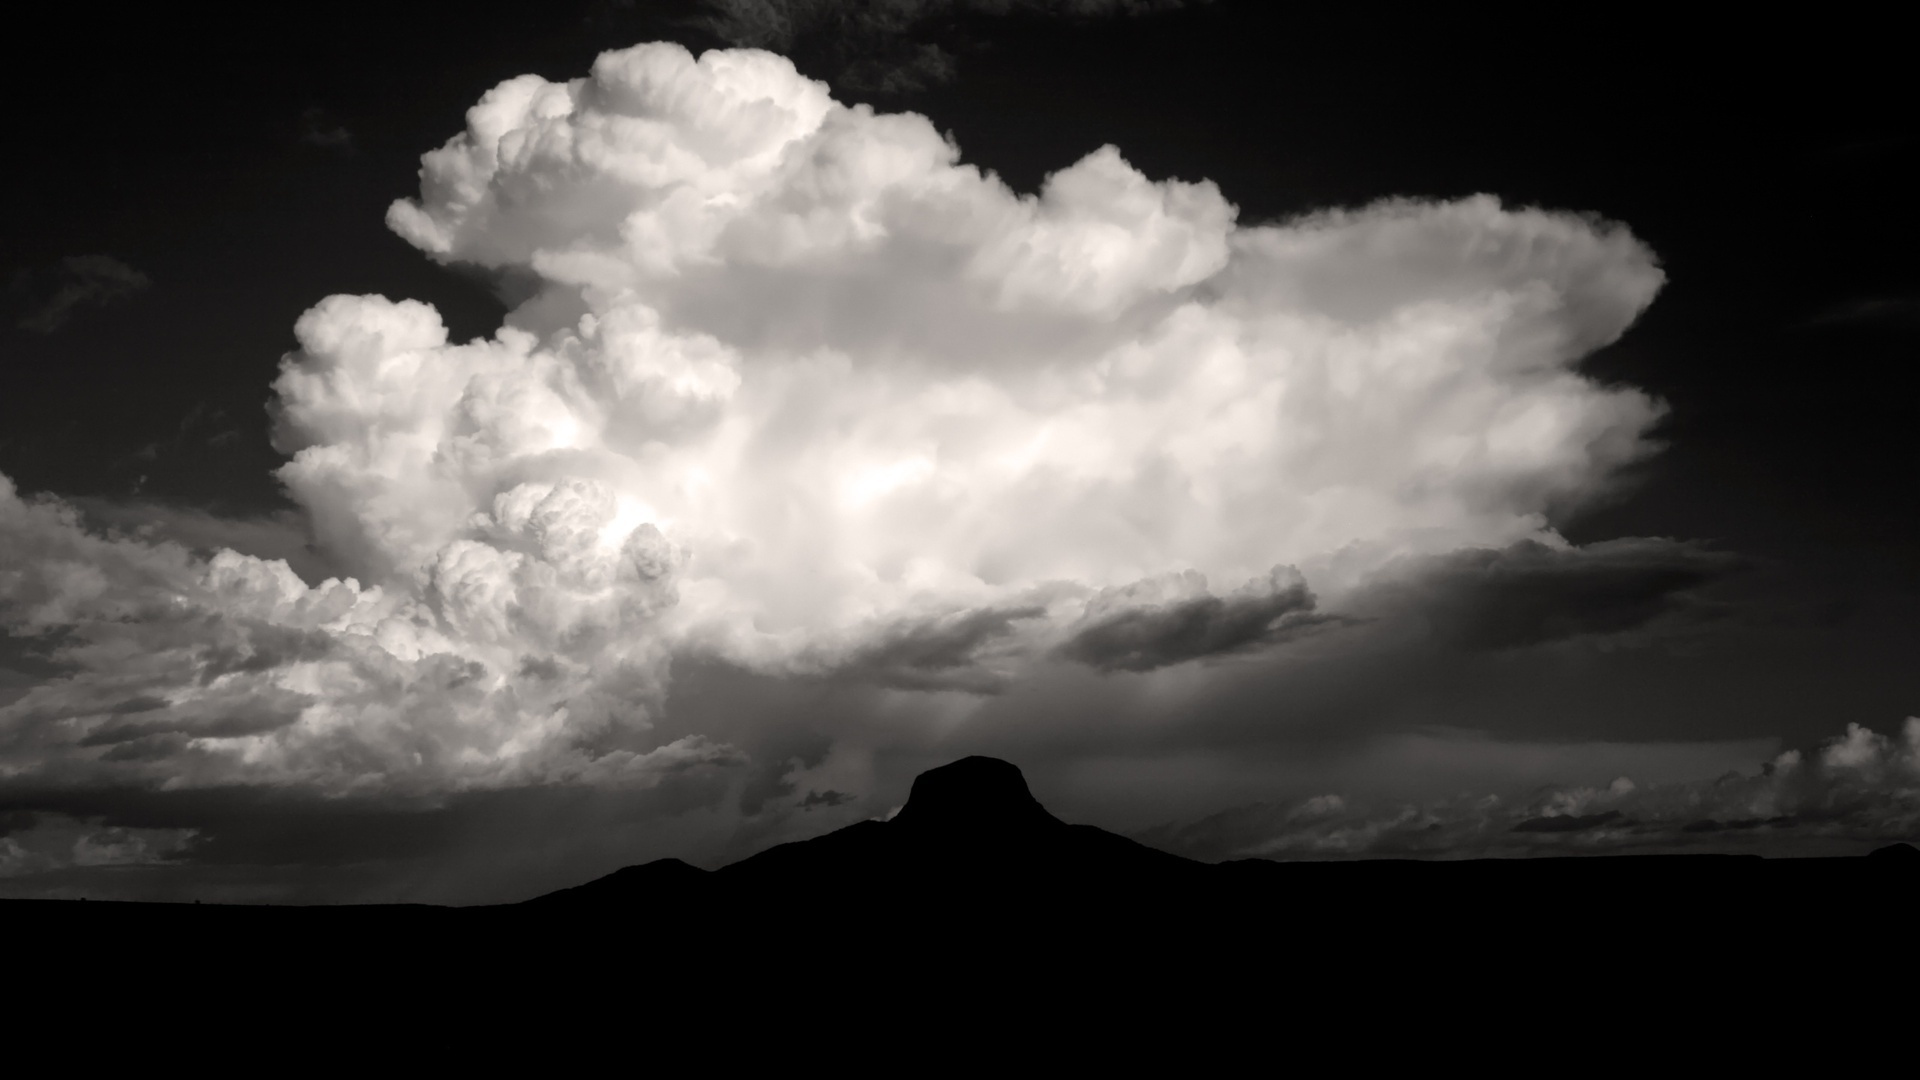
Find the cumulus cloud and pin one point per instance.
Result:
(797, 392)
(1860, 788)
(48, 299)
(175, 670)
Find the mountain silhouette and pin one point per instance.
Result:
(975, 854)
(970, 830)
(976, 911)
(1896, 853)
(975, 795)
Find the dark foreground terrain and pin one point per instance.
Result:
(976, 907)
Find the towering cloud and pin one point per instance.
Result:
(796, 390)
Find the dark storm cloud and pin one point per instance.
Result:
(260, 713)
(1531, 594)
(138, 705)
(47, 299)
(940, 653)
(1478, 669)
(1139, 628)
(828, 798)
(883, 45)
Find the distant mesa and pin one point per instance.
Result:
(974, 843)
(974, 910)
(969, 828)
(979, 795)
(975, 889)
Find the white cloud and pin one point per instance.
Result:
(798, 389)
(179, 671)
(766, 315)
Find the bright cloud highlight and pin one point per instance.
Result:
(797, 389)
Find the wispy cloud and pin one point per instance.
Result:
(322, 130)
(1882, 312)
(49, 298)
(884, 45)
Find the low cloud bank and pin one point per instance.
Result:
(1860, 788)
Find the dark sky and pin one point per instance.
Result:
(186, 180)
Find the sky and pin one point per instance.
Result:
(448, 452)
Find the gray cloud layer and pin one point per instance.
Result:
(1156, 623)
(1529, 593)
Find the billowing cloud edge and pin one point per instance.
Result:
(796, 389)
